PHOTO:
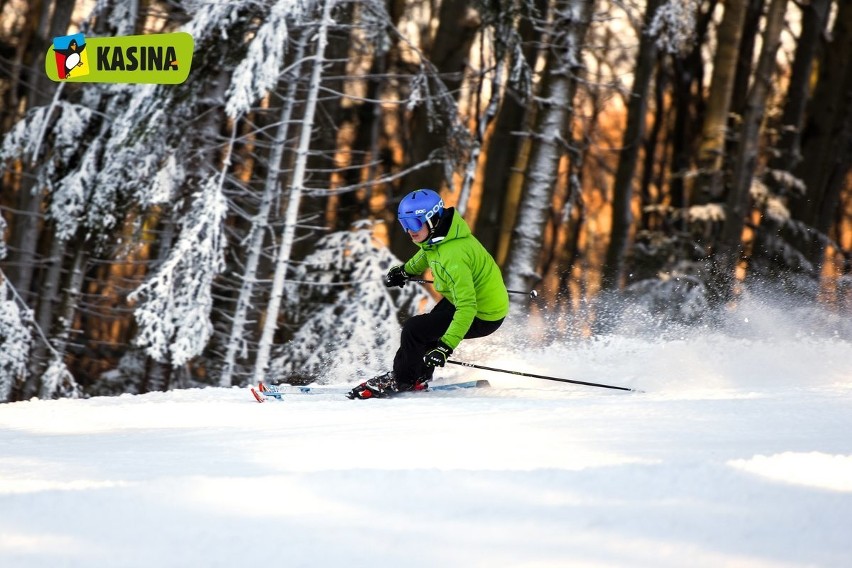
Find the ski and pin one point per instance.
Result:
(449, 387)
(264, 392)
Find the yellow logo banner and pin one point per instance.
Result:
(156, 58)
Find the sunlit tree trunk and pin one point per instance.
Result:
(571, 20)
(826, 136)
(367, 122)
(709, 183)
(687, 86)
(634, 132)
(745, 57)
(505, 142)
(814, 21)
(745, 160)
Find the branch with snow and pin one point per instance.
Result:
(174, 315)
(58, 382)
(15, 338)
(259, 71)
(673, 26)
(66, 127)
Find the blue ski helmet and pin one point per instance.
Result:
(420, 207)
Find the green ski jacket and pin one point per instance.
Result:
(465, 274)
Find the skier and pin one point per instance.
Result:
(474, 304)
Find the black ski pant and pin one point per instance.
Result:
(421, 333)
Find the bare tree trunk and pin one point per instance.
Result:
(367, 119)
(505, 142)
(711, 152)
(637, 109)
(825, 139)
(71, 298)
(687, 84)
(570, 23)
(27, 223)
(294, 198)
(745, 57)
(654, 160)
(745, 160)
(47, 298)
(814, 21)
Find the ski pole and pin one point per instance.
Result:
(532, 293)
(542, 376)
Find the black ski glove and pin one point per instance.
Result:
(396, 277)
(437, 357)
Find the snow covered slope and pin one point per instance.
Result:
(738, 454)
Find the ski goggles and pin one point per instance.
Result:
(412, 224)
(414, 220)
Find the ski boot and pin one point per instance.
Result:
(382, 386)
(385, 386)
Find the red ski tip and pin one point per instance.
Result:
(257, 396)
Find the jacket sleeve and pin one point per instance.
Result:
(462, 294)
(417, 264)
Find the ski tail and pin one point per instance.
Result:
(263, 391)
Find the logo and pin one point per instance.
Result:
(429, 214)
(71, 56)
(438, 206)
(155, 58)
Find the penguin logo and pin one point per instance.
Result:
(71, 58)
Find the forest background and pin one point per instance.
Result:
(617, 155)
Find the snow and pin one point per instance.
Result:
(738, 453)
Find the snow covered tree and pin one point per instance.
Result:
(58, 382)
(260, 69)
(346, 320)
(174, 314)
(15, 338)
(672, 24)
